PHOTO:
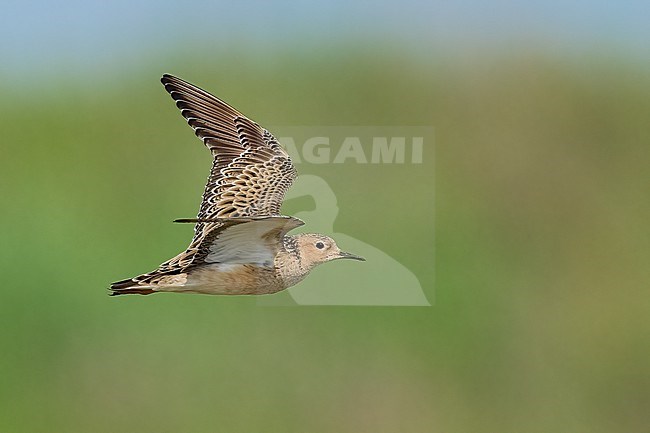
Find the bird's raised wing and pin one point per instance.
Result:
(250, 173)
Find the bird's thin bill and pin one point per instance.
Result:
(344, 255)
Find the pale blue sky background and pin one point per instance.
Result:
(41, 37)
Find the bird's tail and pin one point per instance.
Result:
(129, 287)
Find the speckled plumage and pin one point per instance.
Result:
(240, 243)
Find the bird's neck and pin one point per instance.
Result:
(291, 267)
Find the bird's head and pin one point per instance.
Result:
(316, 249)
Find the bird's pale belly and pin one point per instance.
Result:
(231, 279)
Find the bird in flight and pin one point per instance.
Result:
(240, 244)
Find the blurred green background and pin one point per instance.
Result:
(540, 277)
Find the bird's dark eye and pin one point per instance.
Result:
(320, 245)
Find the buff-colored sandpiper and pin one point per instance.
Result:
(240, 244)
